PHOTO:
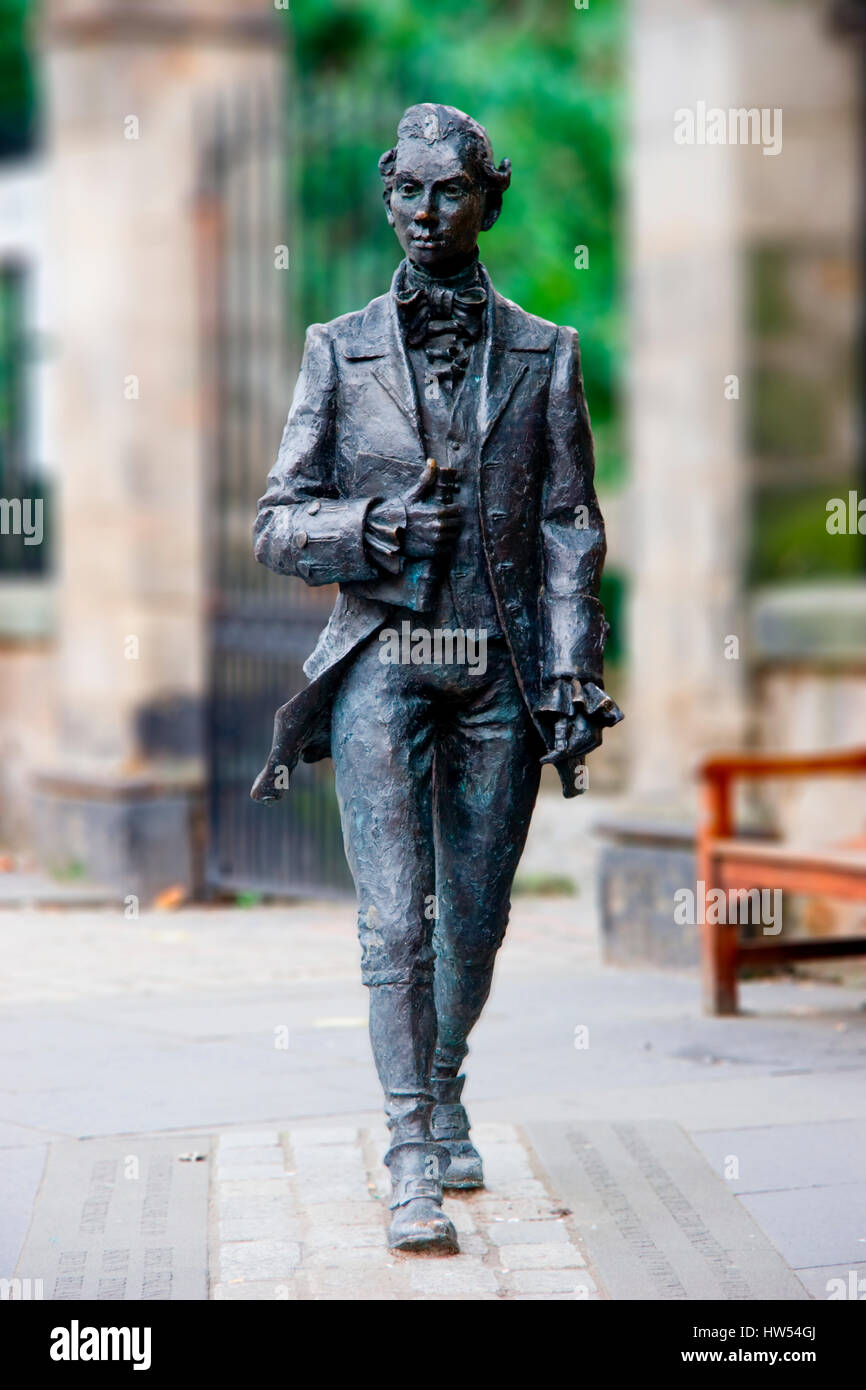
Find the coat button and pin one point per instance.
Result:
(314, 507)
(300, 539)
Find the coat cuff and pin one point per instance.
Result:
(575, 631)
(566, 697)
(323, 540)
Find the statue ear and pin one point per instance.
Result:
(495, 190)
(386, 168)
(491, 213)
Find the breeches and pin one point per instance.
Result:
(437, 771)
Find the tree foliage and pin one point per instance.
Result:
(17, 105)
(546, 80)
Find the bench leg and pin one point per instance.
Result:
(719, 952)
(719, 942)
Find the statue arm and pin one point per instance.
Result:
(572, 529)
(573, 545)
(303, 526)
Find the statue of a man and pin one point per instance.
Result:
(437, 464)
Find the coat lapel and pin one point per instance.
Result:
(502, 368)
(394, 372)
(508, 337)
(375, 337)
(500, 371)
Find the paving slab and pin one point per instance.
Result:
(771, 1157)
(20, 1176)
(656, 1220)
(841, 1283)
(813, 1225)
(120, 1219)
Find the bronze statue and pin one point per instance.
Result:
(437, 464)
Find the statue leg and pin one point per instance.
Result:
(382, 746)
(486, 780)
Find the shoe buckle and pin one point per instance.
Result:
(408, 1189)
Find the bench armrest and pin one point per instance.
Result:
(717, 773)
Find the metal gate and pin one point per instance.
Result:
(266, 270)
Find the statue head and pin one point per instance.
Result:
(441, 186)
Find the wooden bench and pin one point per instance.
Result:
(730, 863)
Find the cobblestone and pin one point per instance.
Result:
(258, 1259)
(323, 1191)
(559, 1256)
(461, 1274)
(239, 1172)
(323, 1137)
(260, 1290)
(340, 1284)
(545, 1281)
(248, 1188)
(238, 1207)
(527, 1232)
(246, 1156)
(274, 1226)
(250, 1139)
(323, 1237)
(357, 1258)
(460, 1211)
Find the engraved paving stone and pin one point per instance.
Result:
(121, 1219)
(657, 1221)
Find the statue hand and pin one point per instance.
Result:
(573, 736)
(431, 525)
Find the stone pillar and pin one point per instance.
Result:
(687, 506)
(124, 83)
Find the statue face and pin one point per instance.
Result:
(437, 204)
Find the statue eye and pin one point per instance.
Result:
(408, 189)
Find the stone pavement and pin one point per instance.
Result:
(302, 1215)
(193, 1029)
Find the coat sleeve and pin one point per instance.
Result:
(572, 529)
(303, 526)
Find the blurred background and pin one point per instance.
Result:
(185, 187)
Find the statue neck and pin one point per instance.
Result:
(454, 274)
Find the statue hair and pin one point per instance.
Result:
(431, 122)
